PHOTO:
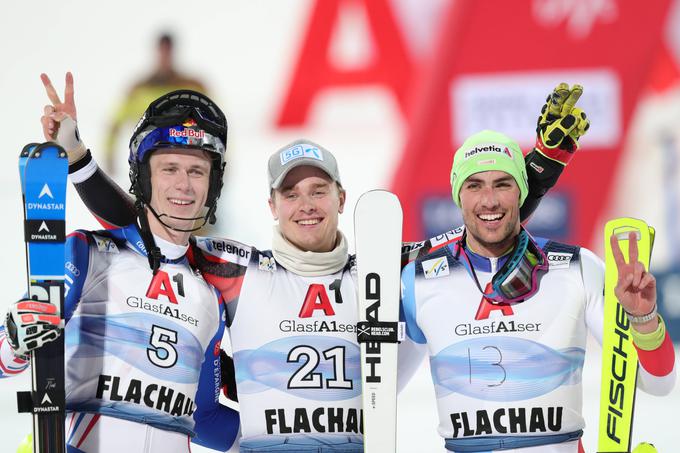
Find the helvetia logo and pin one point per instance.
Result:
(483, 149)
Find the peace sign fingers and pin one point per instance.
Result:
(67, 107)
(629, 271)
(636, 288)
(557, 98)
(68, 92)
(616, 251)
(574, 95)
(632, 247)
(49, 89)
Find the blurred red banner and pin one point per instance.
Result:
(494, 65)
(389, 66)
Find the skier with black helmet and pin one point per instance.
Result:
(143, 328)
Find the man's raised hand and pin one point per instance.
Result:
(59, 119)
(635, 288)
(561, 124)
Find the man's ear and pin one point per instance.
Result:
(272, 207)
(342, 197)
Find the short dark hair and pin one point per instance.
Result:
(165, 39)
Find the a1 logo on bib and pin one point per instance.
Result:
(316, 299)
(160, 286)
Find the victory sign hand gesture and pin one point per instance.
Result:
(636, 287)
(59, 119)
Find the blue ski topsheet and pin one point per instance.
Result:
(23, 157)
(43, 171)
(43, 180)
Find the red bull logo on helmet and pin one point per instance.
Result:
(187, 131)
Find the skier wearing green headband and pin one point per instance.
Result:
(489, 168)
(504, 317)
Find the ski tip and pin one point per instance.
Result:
(621, 229)
(47, 148)
(377, 193)
(644, 447)
(623, 233)
(375, 201)
(626, 222)
(378, 196)
(26, 150)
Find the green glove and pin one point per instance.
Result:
(561, 124)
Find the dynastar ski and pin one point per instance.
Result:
(619, 356)
(377, 230)
(44, 171)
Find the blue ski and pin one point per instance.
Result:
(44, 171)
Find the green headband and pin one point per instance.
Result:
(486, 151)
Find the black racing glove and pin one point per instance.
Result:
(228, 376)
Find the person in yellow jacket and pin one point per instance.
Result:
(163, 79)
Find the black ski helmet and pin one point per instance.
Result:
(182, 119)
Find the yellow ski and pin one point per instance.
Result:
(619, 356)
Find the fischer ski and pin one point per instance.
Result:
(619, 356)
(44, 171)
(377, 228)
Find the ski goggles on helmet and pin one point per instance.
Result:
(186, 135)
(181, 114)
(517, 280)
(179, 105)
(181, 108)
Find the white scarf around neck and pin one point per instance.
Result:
(309, 264)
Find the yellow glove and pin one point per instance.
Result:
(26, 445)
(561, 124)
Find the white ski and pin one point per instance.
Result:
(377, 230)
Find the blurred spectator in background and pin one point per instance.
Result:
(164, 78)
